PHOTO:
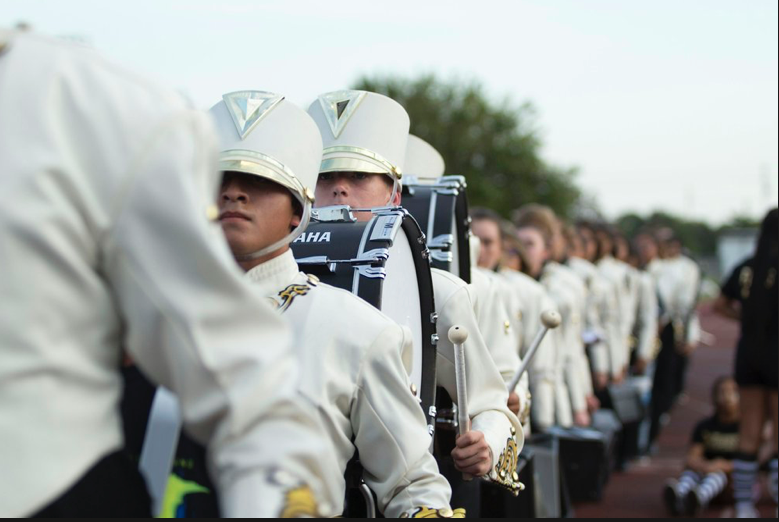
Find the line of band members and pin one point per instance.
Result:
(350, 148)
(278, 162)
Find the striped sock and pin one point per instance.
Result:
(773, 478)
(687, 482)
(713, 484)
(745, 469)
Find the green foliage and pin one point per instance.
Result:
(495, 146)
(699, 237)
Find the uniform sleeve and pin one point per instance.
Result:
(487, 394)
(542, 369)
(498, 328)
(195, 327)
(646, 326)
(391, 432)
(615, 340)
(569, 338)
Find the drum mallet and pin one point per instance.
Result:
(457, 336)
(550, 320)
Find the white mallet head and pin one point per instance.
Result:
(458, 335)
(551, 319)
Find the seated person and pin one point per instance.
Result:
(710, 457)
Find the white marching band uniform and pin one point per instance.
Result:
(620, 323)
(646, 327)
(354, 360)
(532, 300)
(494, 304)
(678, 280)
(368, 132)
(96, 257)
(596, 318)
(569, 294)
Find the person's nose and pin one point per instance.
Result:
(340, 187)
(232, 192)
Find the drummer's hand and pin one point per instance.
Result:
(640, 367)
(472, 454)
(581, 418)
(601, 381)
(593, 404)
(514, 404)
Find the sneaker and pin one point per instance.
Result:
(746, 511)
(672, 501)
(693, 506)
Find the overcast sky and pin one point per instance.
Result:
(662, 104)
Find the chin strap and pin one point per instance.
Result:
(284, 241)
(395, 190)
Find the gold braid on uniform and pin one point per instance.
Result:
(288, 295)
(426, 512)
(525, 414)
(505, 472)
(298, 503)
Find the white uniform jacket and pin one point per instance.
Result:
(645, 331)
(622, 318)
(105, 184)
(678, 281)
(570, 295)
(487, 394)
(597, 312)
(500, 321)
(355, 364)
(533, 300)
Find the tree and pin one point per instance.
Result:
(697, 236)
(495, 146)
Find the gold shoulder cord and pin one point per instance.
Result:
(427, 512)
(505, 473)
(299, 503)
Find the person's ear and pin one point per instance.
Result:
(396, 198)
(295, 222)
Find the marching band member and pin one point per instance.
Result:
(620, 326)
(365, 138)
(353, 359)
(498, 323)
(538, 230)
(107, 187)
(598, 304)
(533, 300)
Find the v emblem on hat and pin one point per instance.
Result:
(247, 108)
(338, 107)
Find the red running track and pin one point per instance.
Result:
(637, 492)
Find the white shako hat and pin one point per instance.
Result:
(423, 161)
(362, 132)
(262, 134)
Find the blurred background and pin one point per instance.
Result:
(662, 112)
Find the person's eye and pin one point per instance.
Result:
(360, 176)
(326, 176)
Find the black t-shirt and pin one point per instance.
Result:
(720, 441)
(738, 287)
(190, 492)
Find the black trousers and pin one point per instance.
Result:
(112, 488)
(666, 381)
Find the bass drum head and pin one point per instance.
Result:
(400, 298)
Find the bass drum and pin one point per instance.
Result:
(384, 261)
(441, 207)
